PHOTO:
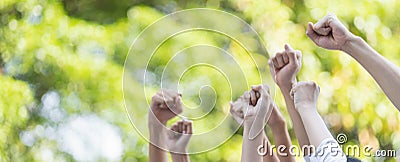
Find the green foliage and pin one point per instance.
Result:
(76, 49)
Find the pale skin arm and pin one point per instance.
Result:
(281, 135)
(236, 109)
(164, 106)
(278, 127)
(305, 96)
(330, 33)
(178, 140)
(250, 145)
(284, 67)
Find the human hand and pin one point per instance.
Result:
(258, 115)
(305, 96)
(238, 107)
(179, 136)
(284, 67)
(330, 33)
(276, 118)
(165, 104)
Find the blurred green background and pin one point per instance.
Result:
(62, 63)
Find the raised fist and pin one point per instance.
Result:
(329, 33)
(284, 67)
(179, 136)
(305, 95)
(165, 105)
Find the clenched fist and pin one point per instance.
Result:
(179, 136)
(284, 67)
(305, 96)
(329, 33)
(165, 105)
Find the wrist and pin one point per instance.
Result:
(154, 122)
(247, 123)
(306, 110)
(286, 87)
(179, 157)
(352, 44)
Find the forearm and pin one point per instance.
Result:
(315, 126)
(282, 141)
(250, 146)
(385, 73)
(269, 156)
(157, 139)
(180, 157)
(298, 124)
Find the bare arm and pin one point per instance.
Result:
(163, 107)
(237, 111)
(330, 33)
(279, 130)
(268, 157)
(250, 146)
(385, 73)
(178, 140)
(284, 67)
(157, 137)
(255, 118)
(305, 98)
(281, 135)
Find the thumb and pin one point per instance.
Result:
(311, 33)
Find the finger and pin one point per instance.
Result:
(167, 101)
(236, 106)
(285, 59)
(156, 100)
(265, 109)
(189, 127)
(180, 126)
(256, 88)
(299, 55)
(253, 98)
(158, 97)
(279, 59)
(288, 48)
(246, 96)
(174, 127)
(178, 104)
(323, 31)
(258, 95)
(275, 61)
(170, 97)
(185, 127)
(170, 93)
(292, 57)
(312, 34)
(323, 23)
